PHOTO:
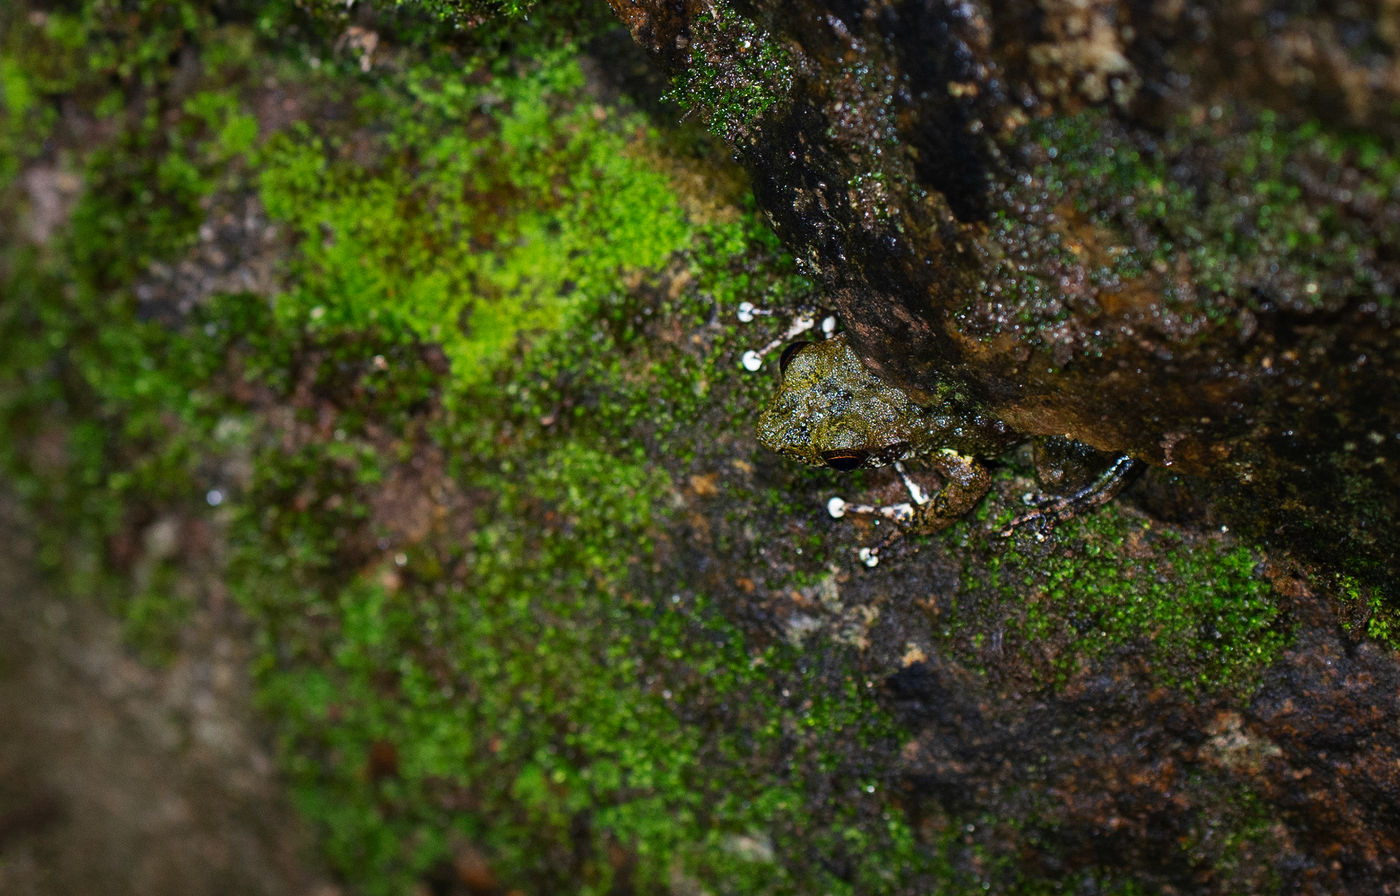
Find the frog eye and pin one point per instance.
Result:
(845, 459)
(789, 353)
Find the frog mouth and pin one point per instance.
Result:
(845, 459)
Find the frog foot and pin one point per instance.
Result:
(903, 514)
(900, 514)
(752, 359)
(1050, 513)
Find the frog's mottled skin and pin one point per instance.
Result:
(831, 411)
(830, 404)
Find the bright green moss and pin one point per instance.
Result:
(541, 699)
(23, 121)
(460, 13)
(1364, 611)
(472, 241)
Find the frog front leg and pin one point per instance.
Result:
(965, 481)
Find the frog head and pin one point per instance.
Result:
(831, 411)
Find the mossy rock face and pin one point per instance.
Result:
(424, 350)
(1162, 232)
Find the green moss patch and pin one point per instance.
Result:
(1195, 614)
(737, 72)
(485, 214)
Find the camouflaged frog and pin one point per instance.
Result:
(831, 411)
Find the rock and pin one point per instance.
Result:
(1161, 229)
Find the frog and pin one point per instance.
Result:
(832, 411)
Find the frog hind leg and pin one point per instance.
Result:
(1045, 516)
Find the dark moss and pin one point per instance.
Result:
(736, 73)
(1223, 220)
(1197, 613)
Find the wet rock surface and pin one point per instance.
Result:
(1296, 789)
(1161, 229)
(116, 777)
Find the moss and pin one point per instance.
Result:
(491, 278)
(24, 121)
(1212, 221)
(511, 560)
(106, 419)
(408, 15)
(1283, 205)
(468, 12)
(156, 611)
(472, 239)
(1364, 612)
(1194, 614)
(543, 691)
(736, 74)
